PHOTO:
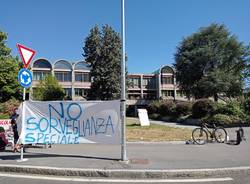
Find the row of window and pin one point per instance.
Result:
(78, 92)
(85, 77)
(146, 82)
(150, 95)
(63, 76)
(149, 82)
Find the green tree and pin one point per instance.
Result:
(211, 63)
(102, 51)
(9, 67)
(48, 89)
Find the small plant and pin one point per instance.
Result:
(154, 107)
(202, 108)
(166, 108)
(10, 105)
(246, 105)
(183, 109)
(219, 119)
(230, 109)
(155, 116)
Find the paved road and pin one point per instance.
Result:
(27, 179)
(156, 156)
(142, 156)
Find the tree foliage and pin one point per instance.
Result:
(102, 51)
(48, 90)
(210, 63)
(9, 67)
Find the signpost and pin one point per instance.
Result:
(25, 77)
(26, 54)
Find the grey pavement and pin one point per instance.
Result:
(29, 179)
(143, 157)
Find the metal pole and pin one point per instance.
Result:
(23, 119)
(123, 87)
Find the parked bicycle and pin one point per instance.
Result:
(200, 135)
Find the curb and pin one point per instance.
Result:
(125, 173)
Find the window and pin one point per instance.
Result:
(180, 93)
(39, 75)
(81, 92)
(82, 77)
(167, 69)
(149, 83)
(167, 93)
(135, 82)
(149, 95)
(63, 76)
(167, 80)
(67, 91)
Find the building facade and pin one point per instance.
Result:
(73, 77)
(76, 81)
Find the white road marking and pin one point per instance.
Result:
(104, 180)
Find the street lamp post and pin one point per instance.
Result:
(123, 87)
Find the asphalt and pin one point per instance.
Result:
(145, 160)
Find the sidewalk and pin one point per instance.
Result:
(155, 160)
(160, 159)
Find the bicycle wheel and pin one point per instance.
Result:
(220, 134)
(199, 136)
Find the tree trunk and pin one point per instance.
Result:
(216, 97)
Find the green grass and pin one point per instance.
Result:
(154, 132)
(4, 116)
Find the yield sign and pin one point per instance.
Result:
(26, 53)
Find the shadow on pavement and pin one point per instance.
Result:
(45, 155)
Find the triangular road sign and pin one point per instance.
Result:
(26, 54)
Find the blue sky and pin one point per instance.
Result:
(56, 29)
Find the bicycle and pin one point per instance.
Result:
(200, 135)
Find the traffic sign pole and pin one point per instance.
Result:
(23, 119)
(23, 116)
(25, 79)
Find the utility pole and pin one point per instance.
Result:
(123, 87)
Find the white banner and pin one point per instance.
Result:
(66, 122)
(5, 123)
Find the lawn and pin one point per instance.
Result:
(154, 132)
(4, 116)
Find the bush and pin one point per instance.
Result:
(2, 129)
(230, 109)
(223, 119)
(166, 107)
(130, 111)
(1, 107)
(183, 109)
(246, 105)
(247, 120)
(155, 116)
(10, 105)
(202, 108)
(49, 89)
(218, 119)
(154, 107)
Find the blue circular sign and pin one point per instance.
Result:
(25, 77)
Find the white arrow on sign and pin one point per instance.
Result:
(26, 53)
